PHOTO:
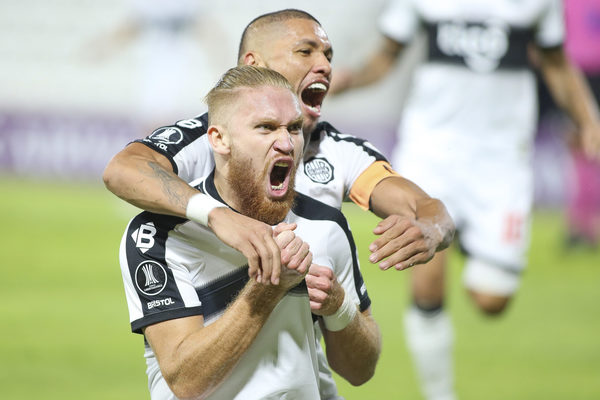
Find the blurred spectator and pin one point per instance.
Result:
(167, 35)
(583, 197)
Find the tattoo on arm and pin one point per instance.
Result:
(171, 184)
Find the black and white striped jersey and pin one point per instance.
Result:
(475, 92)
(332, 160)
(173, 268)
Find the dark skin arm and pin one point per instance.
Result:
(377, 67)
(414, 228)
(571, 93)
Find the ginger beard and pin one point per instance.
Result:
(249, 186)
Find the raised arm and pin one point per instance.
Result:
(352, 338)
(414, 228)
(571, 92)
(145, 178)
(375, 68)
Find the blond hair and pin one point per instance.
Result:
(243, 76)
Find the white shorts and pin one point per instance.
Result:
(489, 198)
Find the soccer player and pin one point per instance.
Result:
(466, 138)
(152, 173)
(212, 332)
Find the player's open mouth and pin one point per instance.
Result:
(279, 177)
(312, 97)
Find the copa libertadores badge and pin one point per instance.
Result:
(168, 135)
(150, 278)
(319, 170)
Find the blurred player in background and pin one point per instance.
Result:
(166, 37)
(583, 196)
(466, 137)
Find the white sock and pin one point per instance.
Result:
(430, 340)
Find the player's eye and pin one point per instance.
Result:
(265, 127)
(295, 128)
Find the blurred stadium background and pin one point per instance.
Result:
(69, 100)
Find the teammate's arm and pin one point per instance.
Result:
(195, 359)
(376, 67)
(571, 92)
(414, 228)
(145, 178)
(352, 339)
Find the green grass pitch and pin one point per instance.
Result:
(65, 334)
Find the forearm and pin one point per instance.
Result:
(353, 352)
(143, 179)
(399, 196)
(569, 88)
(435, 217)
(376, 67)
(204, 358)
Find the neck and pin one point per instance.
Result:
(225, 190)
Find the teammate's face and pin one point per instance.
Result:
(267, 143)
(300, 50)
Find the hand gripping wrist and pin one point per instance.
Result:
(199, 206)
(342, 317)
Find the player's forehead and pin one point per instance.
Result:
(297, 31)
(272, 103)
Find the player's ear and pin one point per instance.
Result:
(219, 139)
(253, 58)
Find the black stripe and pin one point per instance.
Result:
(453, 33)
(334, 134)
(168, 298)
(309, 208)
(218, 294)
(189, 135)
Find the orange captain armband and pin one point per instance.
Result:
(363, 186)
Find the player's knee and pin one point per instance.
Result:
(491, 305)
(491, 286)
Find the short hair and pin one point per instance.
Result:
(236, 78)
(267, 19)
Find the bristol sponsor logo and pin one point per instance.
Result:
(481, 46)
(150, 278)
(319, 170)
(162, 302)
(165, 136)
(144, 236)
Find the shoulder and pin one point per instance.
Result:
(327, 138)
(178, 135)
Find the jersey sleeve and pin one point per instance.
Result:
(360, 192)
(351, 155)
(186, 146)
(551, 26)
(156, 290)
(399, 21)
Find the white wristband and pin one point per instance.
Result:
(199, 206)
(342, 317)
